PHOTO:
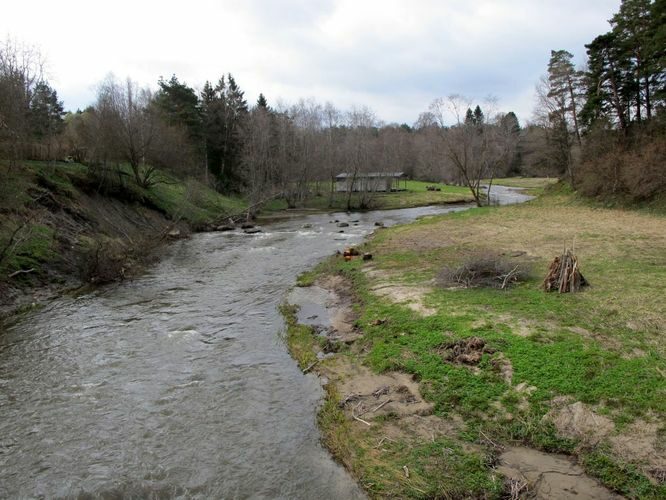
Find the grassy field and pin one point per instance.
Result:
(524, 182)
(416, 195)
(532, 185)
(554, 362)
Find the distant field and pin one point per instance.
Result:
(524, 182)
(416, 195)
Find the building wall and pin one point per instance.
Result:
(379, 184)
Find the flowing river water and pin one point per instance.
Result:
(177, 384)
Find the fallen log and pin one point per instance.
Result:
(21, 271)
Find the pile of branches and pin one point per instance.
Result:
(486, 270)
(564, 274)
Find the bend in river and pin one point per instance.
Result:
(177, 383)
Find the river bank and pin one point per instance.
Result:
(64, 226)
(439, 390)
(67, 228)
(178, 381)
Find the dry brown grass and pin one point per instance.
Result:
(525, 182)
(622, 252)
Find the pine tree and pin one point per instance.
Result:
(225, 112)
(479, 119)
(46, 112)
(179, 105)
(657, 49)
(608, 91)
(511, 123)
(262, 102)
(565, 85)
(633, 30)
(469, 117)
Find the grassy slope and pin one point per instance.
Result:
(602, 347)
(61, 198)
(524, 182)
(416, 195)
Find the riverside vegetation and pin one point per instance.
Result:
(64, 224)
(580, 374)
(188, 155)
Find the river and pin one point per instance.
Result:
(177, 384)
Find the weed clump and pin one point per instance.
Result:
(484, 270)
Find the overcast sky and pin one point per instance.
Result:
(394, 56)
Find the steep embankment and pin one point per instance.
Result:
(62, 225)
(443, 384)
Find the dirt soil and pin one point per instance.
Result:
(340, 306)
(412, 296)
(367, 395)
(549, 476)
(639, 442)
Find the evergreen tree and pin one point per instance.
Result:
(657, 50)
(262, 102)
(564, 89)
(179, 105)
(224, 112)
(608, 91)
(510, 122)
(46, 112)
(479, 119)
(633, 31)
(510, 126)
(469, 117)
(475, 117)
(627, 65)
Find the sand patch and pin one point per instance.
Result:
(549, 476)
(641, 442)
(578, 421)
(367, 395)
(503, 365)
(411, 296)
(421, 428)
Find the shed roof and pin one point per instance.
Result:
(362, 175)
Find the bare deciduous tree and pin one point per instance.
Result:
(21, 69)
(128, 124)
(476, 149)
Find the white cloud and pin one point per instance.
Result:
(394, 55)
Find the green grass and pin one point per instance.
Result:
(416, 195)
(601, 347)
(438, 468)
(621, 477)
(35, 246)
(191, 201)
(299, 338)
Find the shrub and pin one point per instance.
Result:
(484, 269)
(625, 168)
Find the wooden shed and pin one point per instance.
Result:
(370, 181)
